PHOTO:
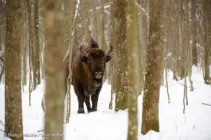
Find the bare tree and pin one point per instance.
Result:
(30, 50)
(206, 20)
(193, 33)
(112, 71)
(13, 102)
(120, 51)
(150, 113)
(68, 42)
(102, 30)
(36, 43)
(54, 69)
(24, 46)
(133, 69)
(2, 37)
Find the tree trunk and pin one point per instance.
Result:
(102, 32)
(193, 33)
(54, 70)
(36, 43)
(112, 71)
(121, 55)
(24, 55)
(133, 69)
(13, 103)
(142, 40)
(207, 79)
(95, 20)
(150, 114)
(81, 22)
(30, 50)
(68, 39)
(175, 41)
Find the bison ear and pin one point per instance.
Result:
(84, 59)
(108, 58)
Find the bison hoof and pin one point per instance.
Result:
(90, 110)
(80, 111)
(94, 109)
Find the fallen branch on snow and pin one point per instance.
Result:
(206, 104)
(41, 130)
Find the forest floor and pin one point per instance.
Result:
(106, 124)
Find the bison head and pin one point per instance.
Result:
(95, 59)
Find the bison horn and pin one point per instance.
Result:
(110, 50)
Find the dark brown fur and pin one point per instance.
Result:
(88, 66)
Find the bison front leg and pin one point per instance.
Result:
(80, 97)
(95, 99)
(80, 104)
(87, 102)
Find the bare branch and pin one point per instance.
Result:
(144, 11)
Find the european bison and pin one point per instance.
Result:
(88, 66)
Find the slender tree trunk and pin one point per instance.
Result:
(150, 114)
(142, 16)
(85, 18)
(24, 55)
(68, 38)
(13, 103)
(2, 42)
(30, 50)
(110, 35)
(193, 33)
(175, 41)
(207, 79)
(133, 69)
(112, 70)
(95, 20)
(102, 32)
(79, 25)
(36, 43)
(121, 55)
(54, 70)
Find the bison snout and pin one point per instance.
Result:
(98, 75)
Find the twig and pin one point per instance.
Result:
(167, 86)
(144, 11)
(206, 104)
(41, 130)
(68, 102)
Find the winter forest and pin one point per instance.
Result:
(105, 69)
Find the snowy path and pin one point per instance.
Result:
(105, 124)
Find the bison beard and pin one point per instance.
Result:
(88, 66)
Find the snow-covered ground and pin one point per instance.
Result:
(106, 124)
